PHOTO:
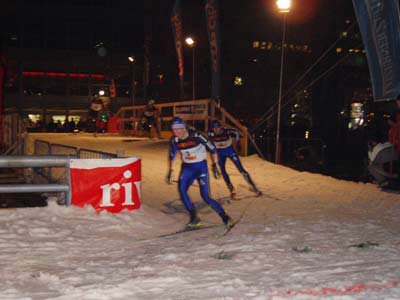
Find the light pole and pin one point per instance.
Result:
(284, 8)
(191, 43)
(132, 60)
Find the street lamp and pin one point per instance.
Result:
(191, 43)
(284, 8)
(132, 60)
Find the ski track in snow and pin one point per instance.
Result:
(62, 253)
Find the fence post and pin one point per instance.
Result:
(68, 194)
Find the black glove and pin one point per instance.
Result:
(215, 170)
(170, 178)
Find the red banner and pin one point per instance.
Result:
(106, 184)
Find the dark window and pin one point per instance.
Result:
(56, 35)
(33, 35)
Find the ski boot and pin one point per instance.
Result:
(194, 222)
(258, 193)
(255, 190)
(232, 191)
(227, 221)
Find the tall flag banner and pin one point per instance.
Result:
(2, 80)
(176, 22)
(379, 24)
(212, 20)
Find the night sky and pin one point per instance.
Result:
(122, 25)
(314, 23)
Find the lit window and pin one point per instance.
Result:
(238, 81)
(344, 34)
(256, 44)
(34, 118)
(357, 50)
(351, 50)
(339, 50)
(270, 45)
(263, 45)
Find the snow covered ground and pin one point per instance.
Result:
(294, 242)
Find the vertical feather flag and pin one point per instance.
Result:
(380, 29)
(212, 19)
(176, 22)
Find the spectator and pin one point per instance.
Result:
(151, 117)
(381, 156)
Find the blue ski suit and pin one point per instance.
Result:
(194, 167)
(223, 142)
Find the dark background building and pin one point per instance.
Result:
(61, 52)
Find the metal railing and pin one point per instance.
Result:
(59, 174)
(59, 149)
(88, 153)
(41, 147)
(36, 162)
(46, 148)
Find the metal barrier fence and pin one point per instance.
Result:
(36, 162)
(46, 148)
(88, 153)
(58, 149)
(58, 174)
(41, 147)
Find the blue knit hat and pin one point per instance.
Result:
(178, 123)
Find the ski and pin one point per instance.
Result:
(228, 229)
(189, 229)
(233, 224)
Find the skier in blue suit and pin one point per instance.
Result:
(222, 138)
(192, 146)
